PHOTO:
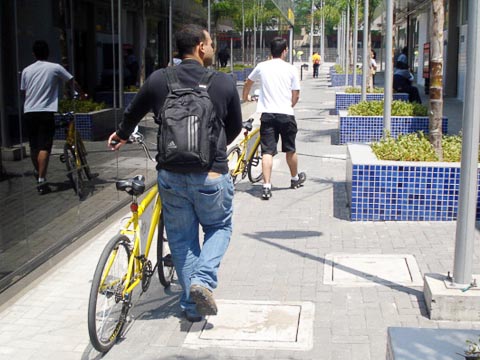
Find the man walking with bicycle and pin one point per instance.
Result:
(197, 189)
(279, 93)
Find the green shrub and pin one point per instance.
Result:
(339, 70)
(131, 88)
(357, 90)
(399, 108)
(235, 68)
(416, 147)
(80, 106)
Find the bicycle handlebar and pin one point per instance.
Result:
(136, 138)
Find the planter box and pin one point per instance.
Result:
(339, 79)
(344, 100)
(380, 190)
(361, 129)
(96, 125)
(242, 74)
(107, 97)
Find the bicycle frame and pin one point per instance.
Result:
(249, 145)
(132, 229)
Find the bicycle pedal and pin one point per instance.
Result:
(255, 161)
(167, 261)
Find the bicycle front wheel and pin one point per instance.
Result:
(165, 267)
(82, 154)
(254, 167)
(233, 157)
(74, 173)
(107, 309)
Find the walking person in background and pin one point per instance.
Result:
(373, 65)
(192, 195)
(223, 56)
(279, 93)
(316, 60)
(40, 87)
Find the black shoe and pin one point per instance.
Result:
(297, 183)
(266, 193)
(43, 188)
(204, 300)
(192, 316)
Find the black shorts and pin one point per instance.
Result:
(40, 130)
(273, 126)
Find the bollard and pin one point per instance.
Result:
(304, 66)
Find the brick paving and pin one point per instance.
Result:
(277, 253)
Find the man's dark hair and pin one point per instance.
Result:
(277, 46)
(188, 37)
(405, 50)
(40, 50)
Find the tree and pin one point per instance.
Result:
(436, 78)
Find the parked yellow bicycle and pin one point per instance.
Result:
(245, 158)
(126, 263)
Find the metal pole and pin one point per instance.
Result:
(170, 32)
(262, 56)
(3, 121)
(120, 56)
(366, 58)
(347, 44)
(465, 234)
(355, 42)
(322, 34)
(243, 32)
(290, 46)
(254, 34)
(388, 90)
(113, 57)
(231, 55)
(208, 18)
(311, 33)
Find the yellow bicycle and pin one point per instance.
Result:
(126, 263)
(244, 159)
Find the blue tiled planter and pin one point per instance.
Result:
(242, 74)
(380, 190)
(344, 100)
(339, 79)
(96, 125)
(361, 129)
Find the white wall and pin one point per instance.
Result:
(422, 39)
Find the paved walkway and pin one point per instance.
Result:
(277, 253)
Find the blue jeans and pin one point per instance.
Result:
(190, 200)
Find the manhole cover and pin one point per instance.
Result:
(256, 324)
(369, 270)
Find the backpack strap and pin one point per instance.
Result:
(206, 80)
(173, 82)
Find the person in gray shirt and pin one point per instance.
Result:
(40, 85)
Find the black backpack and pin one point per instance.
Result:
(189, 128)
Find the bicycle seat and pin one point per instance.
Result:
(248, 124)
(135, 186)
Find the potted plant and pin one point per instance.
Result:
(402, 180)
(473, 350)
(352, 95)
(364, 121)
(337, 76)
(94, 120)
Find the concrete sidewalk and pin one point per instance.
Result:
(280, 252)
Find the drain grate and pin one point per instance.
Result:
(370, 270)
(256, 324)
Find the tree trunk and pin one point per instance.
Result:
(436, 78)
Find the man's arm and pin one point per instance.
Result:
(246, 89)
(295, 97)
(233, 121)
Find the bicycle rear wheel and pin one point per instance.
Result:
(254, 167)
(233, 156)
(107, 309)
(165, 266)
(74, 173)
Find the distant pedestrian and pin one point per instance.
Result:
(316, 60)
(131, 63)
(40, 86)
(279, 93)
(223, 56)
(373, 65)
(402, 82)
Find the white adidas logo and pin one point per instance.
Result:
(172, 145)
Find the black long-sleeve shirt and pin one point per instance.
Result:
(223, 94)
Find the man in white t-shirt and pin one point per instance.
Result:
(279, 92)
(40, 84)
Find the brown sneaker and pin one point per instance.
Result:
(204, 300)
